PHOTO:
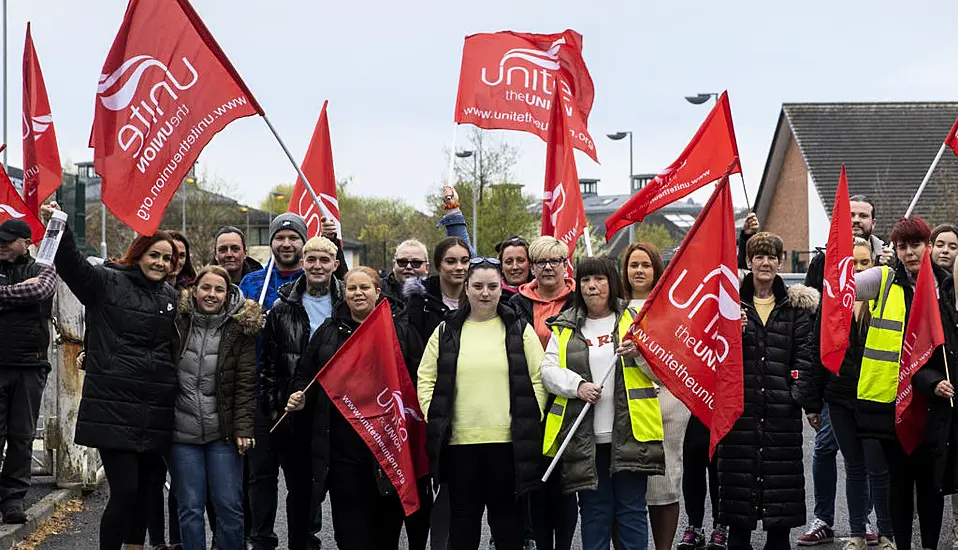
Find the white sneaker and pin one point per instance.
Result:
(885, 544)
(855, 543)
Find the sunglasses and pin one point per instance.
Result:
(403, 262)
(479, 260)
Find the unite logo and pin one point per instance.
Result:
(307, 209)
(665, 176)
(535, 77)
(11, 211)
(38, 125)
(846, 282)
(551, 198)
(729, 307)
(393, 402)
(117, 91)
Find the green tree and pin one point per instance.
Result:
(277, 200)
(655, 234)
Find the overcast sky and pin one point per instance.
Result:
(390, 71)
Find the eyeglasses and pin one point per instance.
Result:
(478, 260)
(404, 262)
(554, 262)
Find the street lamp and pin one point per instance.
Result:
(616, 137)
(699, 99)
(274, 196)
(475, 195)
(246, 209)
(189, 180)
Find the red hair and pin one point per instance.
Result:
(910, 230)
(142, 243)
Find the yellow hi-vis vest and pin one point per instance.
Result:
(644, 410)
(878, 381)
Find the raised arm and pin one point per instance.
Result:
(86, 281)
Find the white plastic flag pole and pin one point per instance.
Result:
(587, 235)
(578, 421)
(450, 178)
(924, 182)
(269, 273)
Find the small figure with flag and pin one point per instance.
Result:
(367, 438)
(905, 329)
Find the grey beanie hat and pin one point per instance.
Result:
(290, 221)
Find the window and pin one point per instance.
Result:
(682, 221)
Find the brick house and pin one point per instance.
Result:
(887, 148)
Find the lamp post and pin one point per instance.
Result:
(616, 137)
(246, 209)
(189, 180)
(475, 196)
(699, 99)
(277, 197)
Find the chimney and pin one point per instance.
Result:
(589, 187)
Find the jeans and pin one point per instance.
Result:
(219, 466)
(20, 392)
(863, 461)
(619, 499)
(825, 469)
(288, 448)
(912, 480)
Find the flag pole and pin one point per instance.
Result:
(299, 171)
(924, 182)
(577, 423)
(285, 413)
(452, 163)
(748, 203)
(588, 240)
(944, 354)
(269, 274)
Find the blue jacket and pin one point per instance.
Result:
(252, 285)
(455, 224)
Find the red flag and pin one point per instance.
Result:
(12, 206)
(510, 80)
(952, 139)
(922, 335)
(563, 214)
(690, 328)
(368, 382)
(165, 90)
(318, 168)
(838, 298)
(703, 161)
(42, 173)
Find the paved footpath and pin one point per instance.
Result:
(81, 532)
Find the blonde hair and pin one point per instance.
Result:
(320, 244)
(414, 243)
(859, 241)
(547, 247)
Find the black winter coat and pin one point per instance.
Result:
(524, 407)
(424, 307)
(24, 329)
(327, 340)
(130, 385)
(842, 389)
(760, 468)
(285, 338)
(941, 424)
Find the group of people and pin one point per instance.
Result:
(188, 370)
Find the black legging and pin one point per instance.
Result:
(695, 464)
(131, 476)
(911, 475)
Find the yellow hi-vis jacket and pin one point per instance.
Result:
(878, 381)
(645, 413)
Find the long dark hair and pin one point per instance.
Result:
(658, 266)
(598, 265)
(142, 243)
(188, 274)
(444, 246)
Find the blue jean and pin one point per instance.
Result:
(866, 475)
(825, 469)
(219, 466)
(619, 499)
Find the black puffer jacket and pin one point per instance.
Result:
(524, 406)
(424, 306)
(285, 337)
(329, 338)
(842, 389)
(760, 469)
(130, 385)
(24, 329)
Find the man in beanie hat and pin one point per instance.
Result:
(26, 290)
(287, 235)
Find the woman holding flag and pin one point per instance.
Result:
(480, 389)
(642, 266)
(610, 458)
(893, 292)
(366, 510)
